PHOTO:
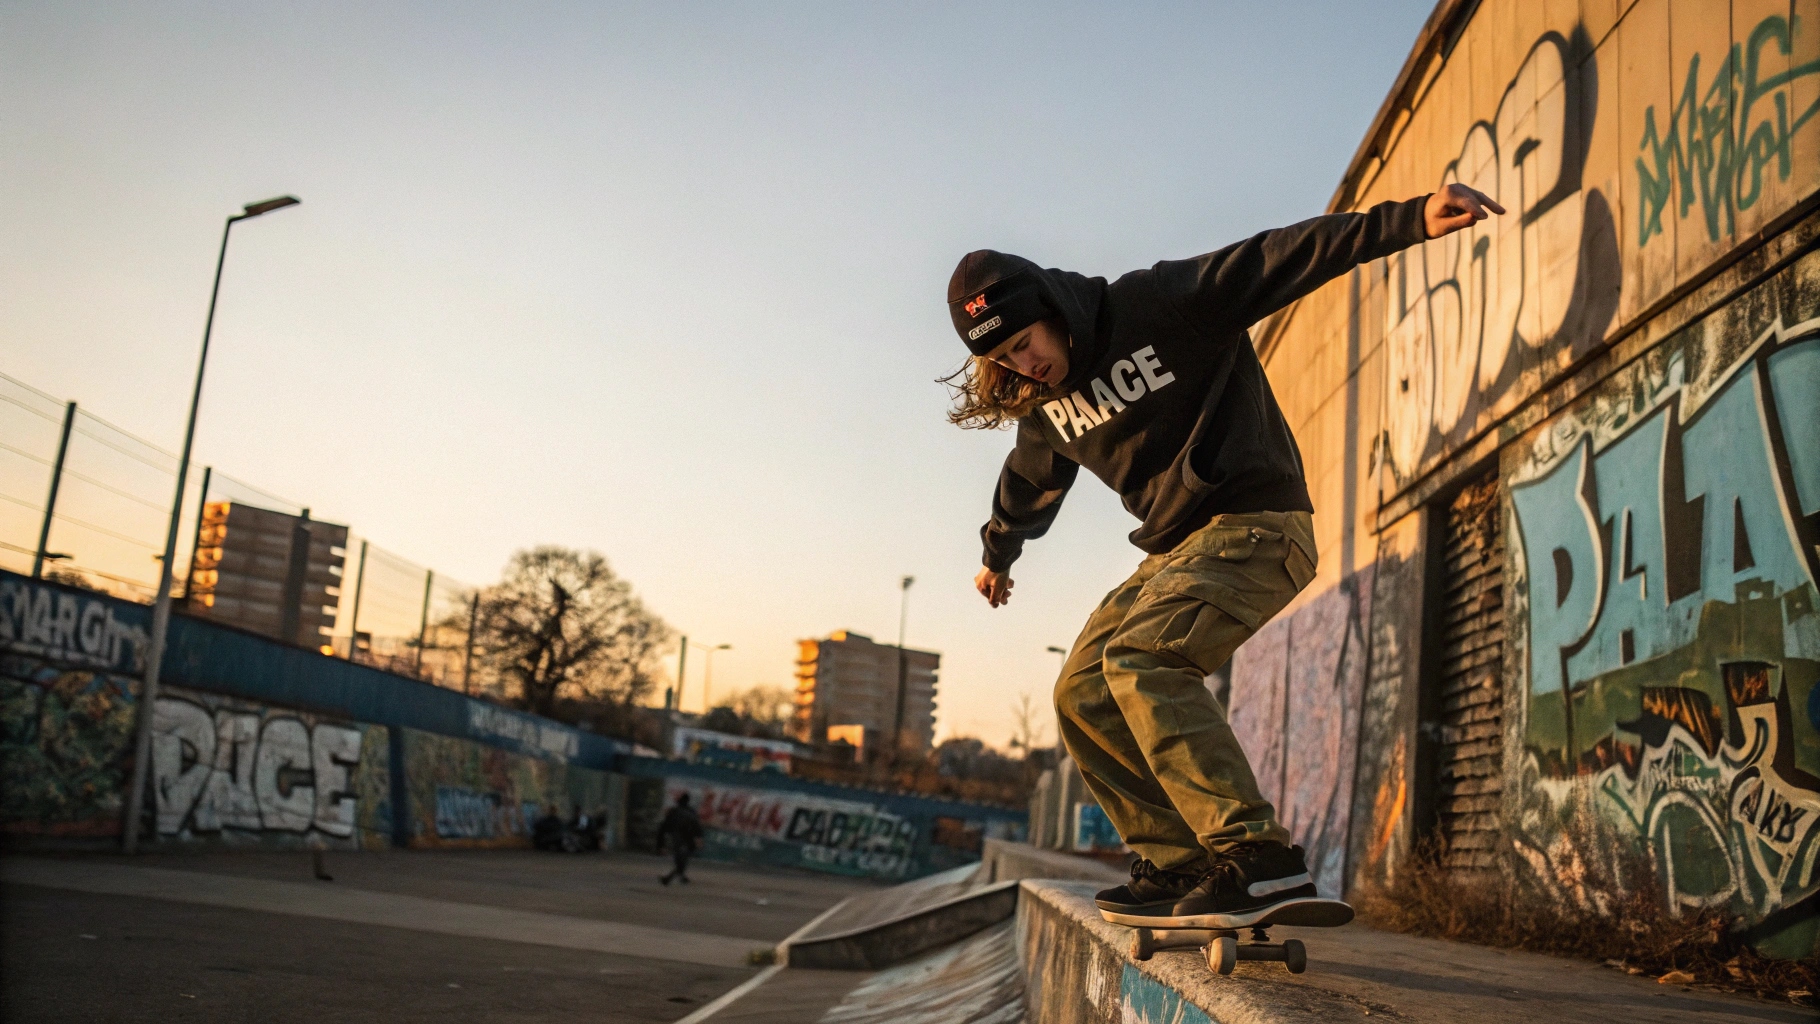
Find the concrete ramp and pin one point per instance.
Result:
(977, 981)
(877, 930)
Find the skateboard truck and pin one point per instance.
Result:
(1221, 946)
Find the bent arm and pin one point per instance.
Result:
(1235, 287)
(1030, 491)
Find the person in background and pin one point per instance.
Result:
(682, 830)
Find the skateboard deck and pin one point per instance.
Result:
(1222, 948)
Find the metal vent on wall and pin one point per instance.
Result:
(1467, 722)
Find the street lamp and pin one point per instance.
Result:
(1062, 652)
(903, 671)
(707, 681)
(161, 608)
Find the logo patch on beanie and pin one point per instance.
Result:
(974, 335)
(976, 306)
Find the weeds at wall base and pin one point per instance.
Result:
(1632, 932)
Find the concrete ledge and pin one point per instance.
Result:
(1077, 971)
(1003, 860)
(1088, 978)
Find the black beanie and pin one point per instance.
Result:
(992, 297)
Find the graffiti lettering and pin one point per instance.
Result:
(1465, 313)
(53, 623)
(462, 813)
(1719, 142)
(546, 738)
(254, 771)
(839, 835)
(1667, 553)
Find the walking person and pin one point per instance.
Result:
(1152, 384)
(682, 830)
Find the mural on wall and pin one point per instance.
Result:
(1296, 692)
(1509, 300)
(799, 829)
(68, 691)
(233, 771)
(66, 738)
(464, 793)
(1667, 529)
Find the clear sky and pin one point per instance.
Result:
(663, 280)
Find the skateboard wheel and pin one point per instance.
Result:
(1223, 954)
(1295, 956)
(1142, 944)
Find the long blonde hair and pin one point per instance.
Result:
(987, 396)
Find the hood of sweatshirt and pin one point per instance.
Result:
(1077, 298)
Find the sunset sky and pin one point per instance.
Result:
(661, 280)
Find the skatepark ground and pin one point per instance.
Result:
(397, 936)
(520, 936)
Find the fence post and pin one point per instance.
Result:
(423, 628)
(467, 659)
(50, 503)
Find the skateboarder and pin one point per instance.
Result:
(1151, 383)
(682, 829)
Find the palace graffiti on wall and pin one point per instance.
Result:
(1667, 530)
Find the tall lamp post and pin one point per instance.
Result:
(161, 608)
(707, 679)
(903, 671)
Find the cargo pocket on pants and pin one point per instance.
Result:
(1186, 610)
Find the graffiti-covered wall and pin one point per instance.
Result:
(1628, 357)
(69, 668)
(244, 773)
(259, 743)
(1670, 676)
(768, 818)
(464, 793)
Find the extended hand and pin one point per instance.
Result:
(1455, 207)
(995, 587)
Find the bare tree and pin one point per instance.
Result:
(560, 623)
(1027, 724)
(767, 705)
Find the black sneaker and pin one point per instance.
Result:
(1258, 883)
(1151, 888)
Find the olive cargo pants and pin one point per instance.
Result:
(1151, 741)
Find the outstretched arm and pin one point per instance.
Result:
(1030, 491)
(1239, 285)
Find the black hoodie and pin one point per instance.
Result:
(1165, 399)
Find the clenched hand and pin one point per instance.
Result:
(995, 587)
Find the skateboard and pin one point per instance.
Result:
(1222, 948)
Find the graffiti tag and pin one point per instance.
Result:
(70, 628)
(1720, 141)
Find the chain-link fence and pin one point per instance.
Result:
(86, 503)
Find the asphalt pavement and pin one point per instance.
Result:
(397, 936)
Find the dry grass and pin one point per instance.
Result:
(1629, 930)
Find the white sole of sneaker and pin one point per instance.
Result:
(1302, 912)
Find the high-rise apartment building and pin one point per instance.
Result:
(267, 571)
(847, 687)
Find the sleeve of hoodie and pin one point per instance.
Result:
(1030, 490)
(1239, 285)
